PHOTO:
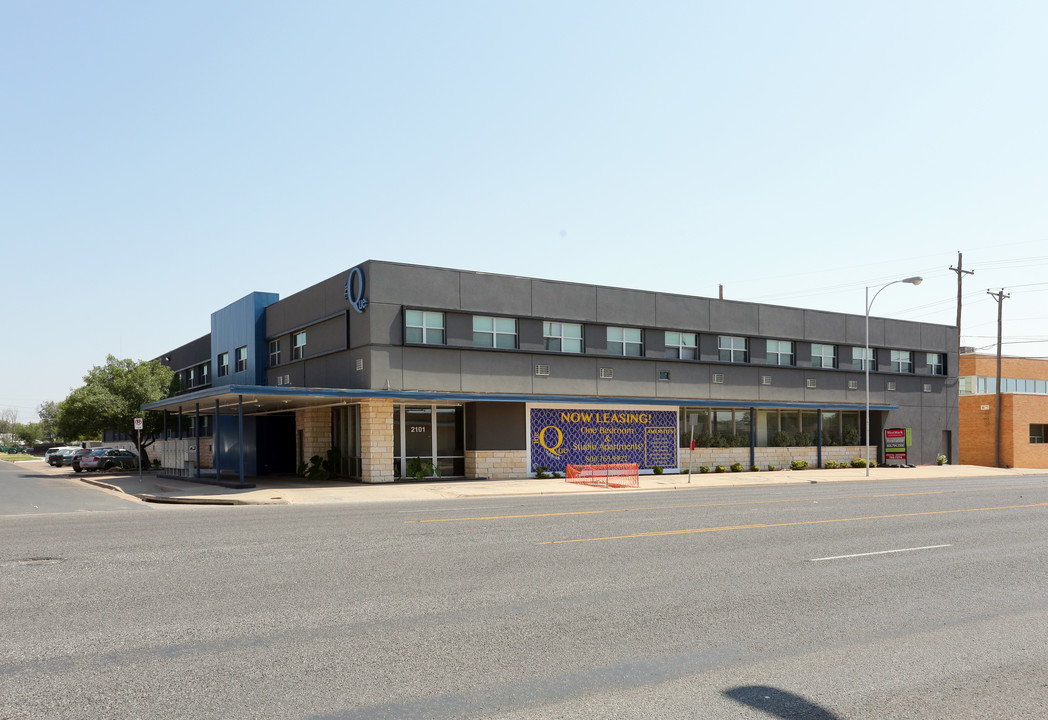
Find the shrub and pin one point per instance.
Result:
(321, 468)
(798, 464)
(781, 439)
(736, 467)
(657, 470)
(704, 468)
(831, 465)
(771, 467)
(851, 436)
(721, 468)
(940, 459)
(755, 468)
(540, 472)
(858, 462)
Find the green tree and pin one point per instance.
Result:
(111, 398)
(48, 411)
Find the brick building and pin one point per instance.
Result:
(1024, 410)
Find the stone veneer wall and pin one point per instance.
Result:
(376, 441)
(777, 456)
(497, 464)
(314, 424)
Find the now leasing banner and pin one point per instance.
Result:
(570, 436)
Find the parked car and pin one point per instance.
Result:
(74, 459)
(64, 457)
(106, 459)
(51, 452)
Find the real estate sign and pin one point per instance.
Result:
(896, 441)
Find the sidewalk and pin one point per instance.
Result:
(293, 490)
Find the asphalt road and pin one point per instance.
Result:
(853, 600)
(26, 492)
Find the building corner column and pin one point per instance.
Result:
(376, 441)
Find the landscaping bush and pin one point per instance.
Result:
(657, 470)
(798, 464)
(940, 459)
(771, 467)
(704, 468)
(736, 467)
(721, 468)
(831, 465)
(755, 468)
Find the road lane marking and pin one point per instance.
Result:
(879, 552)
(690, 531)
(711, 505)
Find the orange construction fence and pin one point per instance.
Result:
(617, 475)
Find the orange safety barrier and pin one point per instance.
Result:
(616, 475)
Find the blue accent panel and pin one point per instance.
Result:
(229, 452)
(241, 324)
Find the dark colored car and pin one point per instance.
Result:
(106, 459)
(67, 456)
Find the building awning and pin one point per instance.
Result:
(264, 399)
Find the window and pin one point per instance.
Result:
(494, 332)
(936, 363)
(205, 373)
(191, 377)
(298, 345)
(859, 356)
(223, 364)
(902, 361)
(274, 352)
(1037, 434)
(732, 349)
(780, 352)
(424, 327)
(241, 356)
(562, 337)
(625, 341)
(824, 356)
(681, 345)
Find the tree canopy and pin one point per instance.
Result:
(111, 398)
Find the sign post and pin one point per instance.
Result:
(138, 427)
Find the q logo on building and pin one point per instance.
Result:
(355, 290)
(540, 438)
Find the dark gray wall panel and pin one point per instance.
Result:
(496, 294)
(320, 300)
(824, 327)
(413, 285)
(529, 335)
(936, 337)
(329, 371)
(654, 344)
(687, 380)
(568, 375)
(323, 337)
(497, 372)
(679, 312)
(432, 369)
(384, 326)
(734, 318)
(616, 306)
(780, 322)
(384, 365)
(630, 378)
(458, 330)
(496, 426)
(785, 384)
(739, 382)
(902, 334)
(564, 301)
(192, 353)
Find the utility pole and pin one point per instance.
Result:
(961, 272)
(999, 296)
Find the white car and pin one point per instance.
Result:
(50, 454)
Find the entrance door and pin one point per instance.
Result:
(428, 435)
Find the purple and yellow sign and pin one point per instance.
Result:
(569, 436)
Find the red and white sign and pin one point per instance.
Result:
(139, 423)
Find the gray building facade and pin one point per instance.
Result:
(407, 369)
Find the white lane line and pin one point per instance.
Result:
(879, 552)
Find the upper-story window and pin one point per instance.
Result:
(223, 364)
(494, 332)
(902, 361)
(562, 337)
(625, 341)
(191, 377)
(424, 327)
(824, 356)
(780, 352)
(733, 349)
(241, 355)
(937, 363)
(274, 352)
(205, 373)
(859, 358)
(681, 345)
(298, 345)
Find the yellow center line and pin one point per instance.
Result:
(657, 533)
(705, 505)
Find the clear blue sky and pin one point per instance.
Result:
(161, 160)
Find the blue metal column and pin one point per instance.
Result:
(753, 436)
(240, 433)
(181, 469)
(216, 437)
(196, 437)
(818, 442)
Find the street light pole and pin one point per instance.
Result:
(866, 357)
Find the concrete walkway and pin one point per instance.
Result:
(292, 490)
